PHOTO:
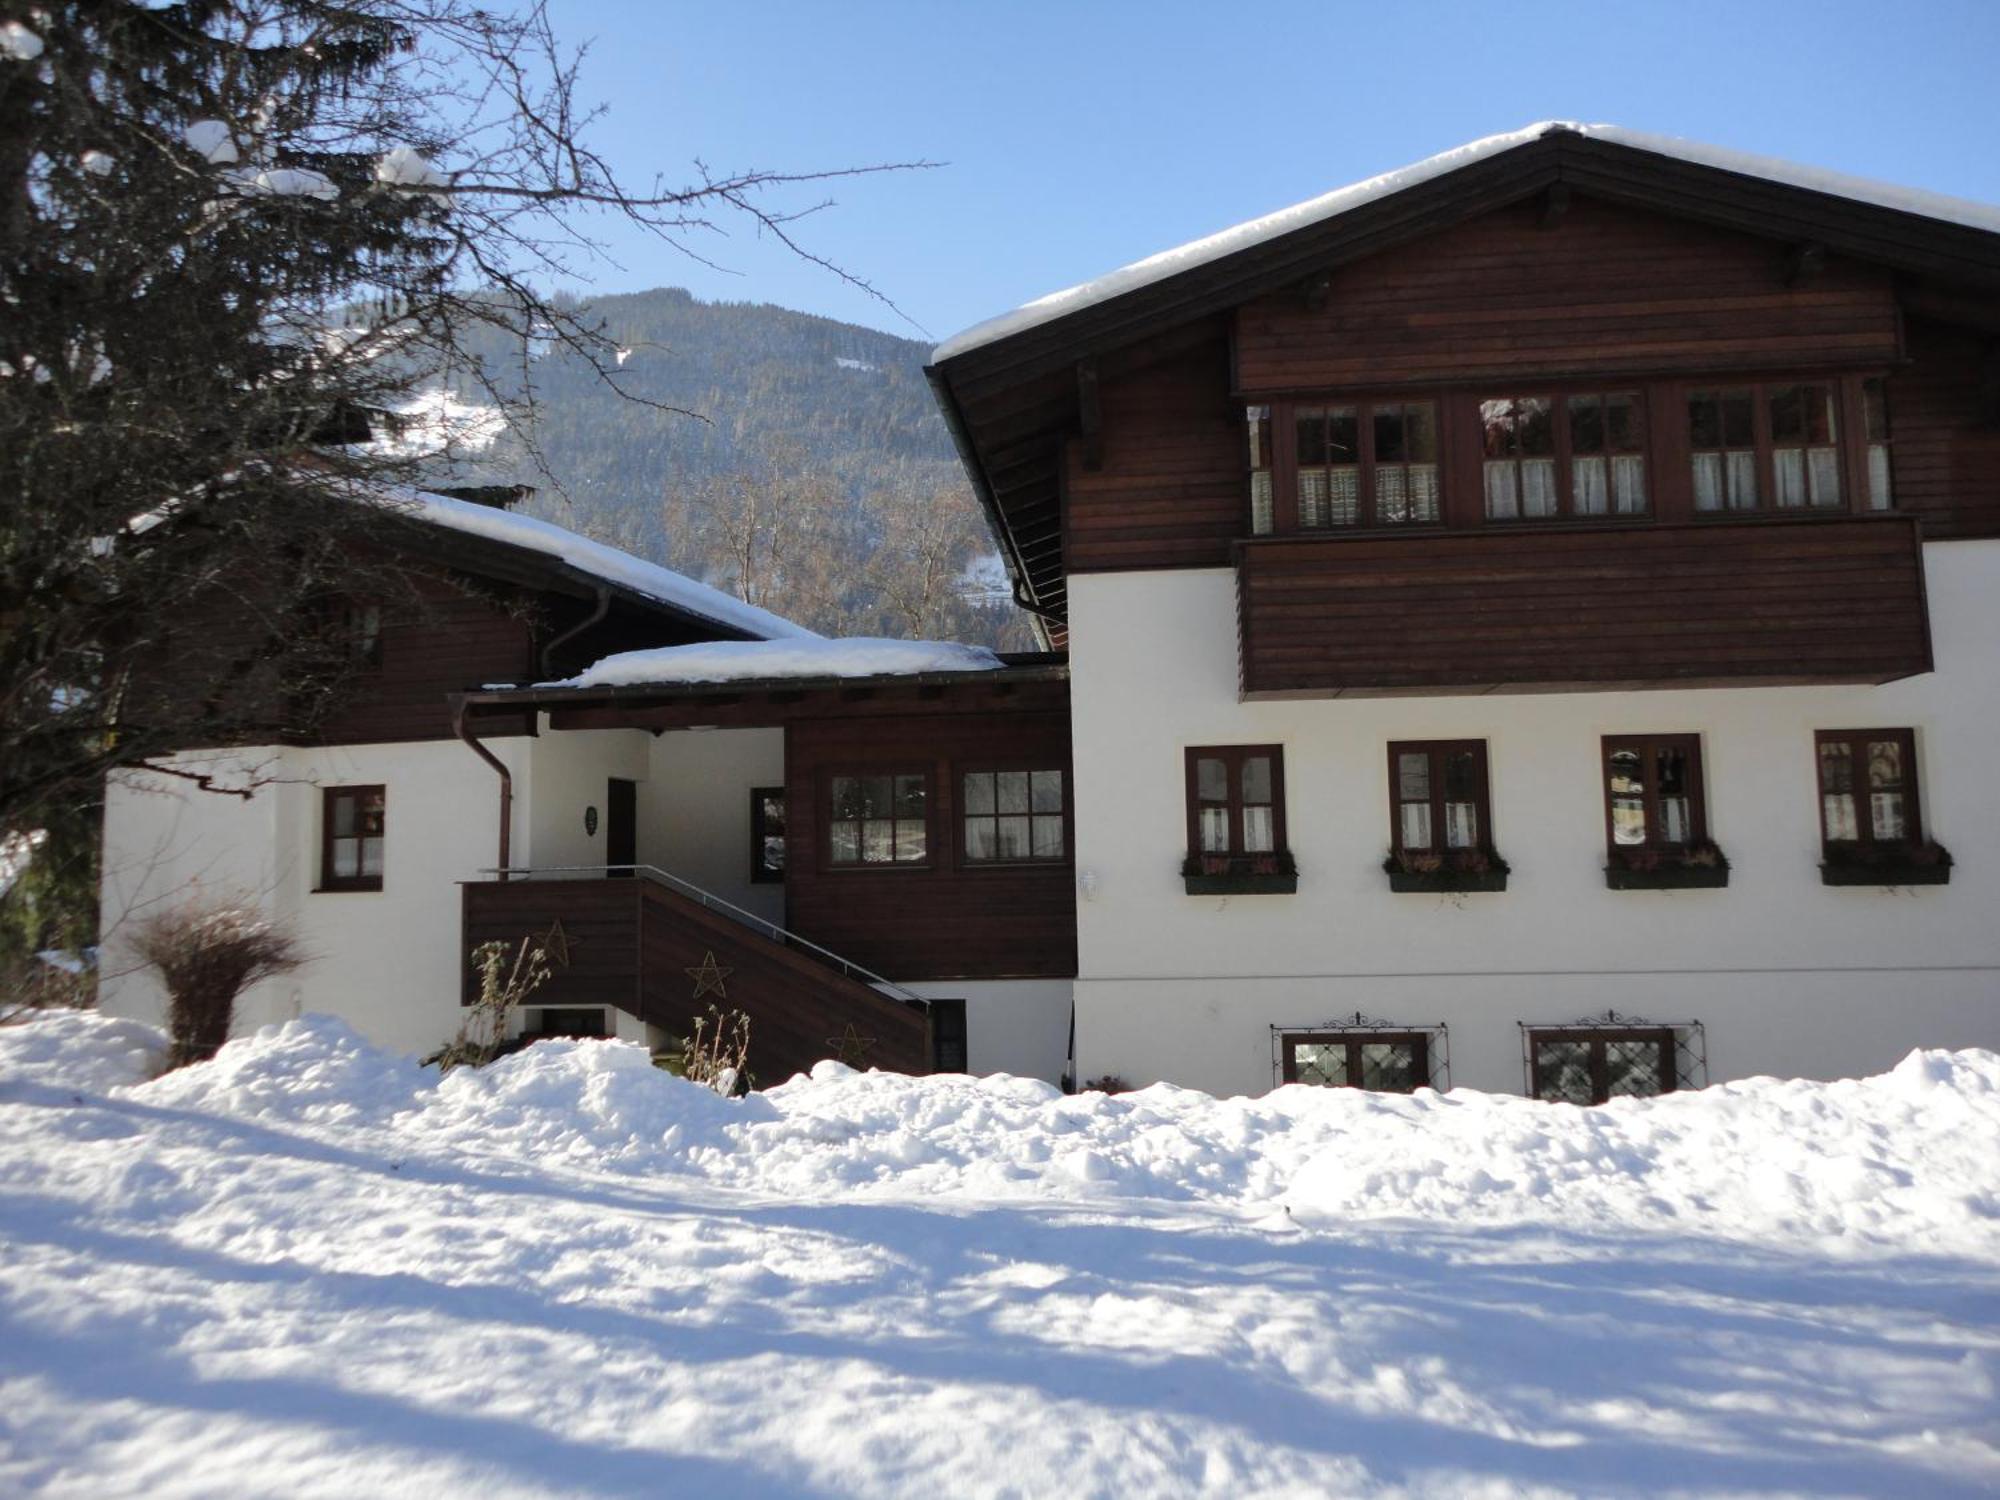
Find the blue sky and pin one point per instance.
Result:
(1077, 137)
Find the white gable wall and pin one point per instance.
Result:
(386, 961)
(1789, 976)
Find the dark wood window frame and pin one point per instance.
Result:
(330, 797)
(960, 814)
(1848, 442)
(1866, 859)
(1237, 871)
(1668, 1063)
(1658, 862)
(1419, 1043)
(1862, 402)
(827, 820)
(761, 870)
(1563, 452)
(1440, 866)
(1281, 452)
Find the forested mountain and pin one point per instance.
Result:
(812, 473)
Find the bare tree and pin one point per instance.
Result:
(230, 230)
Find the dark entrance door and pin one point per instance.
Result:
(621, 824)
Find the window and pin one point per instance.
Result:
(1805, 452)
(879, 820)
(1776, 444)
(1438, 789)
(1564, 454)
(1257, 427)
(351, 824)
(1013, 817)
(571, 1021)
(1875, 435)
(1868, 788)
(1652, 791)
(1569, 1065)
(1722, 432)
(1236, 800)
(1389, 1061)
(1353, 463)
(767, 834)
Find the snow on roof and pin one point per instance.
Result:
(759, 661)
(607, 564)
(1341, 200)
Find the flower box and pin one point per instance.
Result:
(1698, 869)
(1240, 875)
(1446, 875)
(1928, 864)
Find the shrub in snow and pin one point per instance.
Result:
(716, 1054)
(1110, 1083)
(209, 952)
(502, 987)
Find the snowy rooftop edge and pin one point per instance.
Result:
(1158, 267)
(781, 660)
(605, 563)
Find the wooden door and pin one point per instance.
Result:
(621, 824)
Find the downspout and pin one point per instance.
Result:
(464, 732)
(596, 615)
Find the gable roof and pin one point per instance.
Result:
(487, 540)
(1008, 386)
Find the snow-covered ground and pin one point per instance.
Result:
(310, 1269)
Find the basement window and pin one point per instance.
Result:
(1573, 1066)
(1396, 1062)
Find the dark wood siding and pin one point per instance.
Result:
(940, 921)
(1716, 603)
(448, 639)
(1606, 291)
(631, 944)
(1170, 490)
(1945, 453)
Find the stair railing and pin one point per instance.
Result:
(714, 902)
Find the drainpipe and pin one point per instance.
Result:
(465, 733)
(597, 614)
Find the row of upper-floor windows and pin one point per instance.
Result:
(1655, 803)
(1552, 453)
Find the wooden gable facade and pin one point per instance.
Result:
(1566, 269)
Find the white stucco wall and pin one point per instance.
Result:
(694, 810)
(1018, 1026)
(1789, 976)
(388, 960)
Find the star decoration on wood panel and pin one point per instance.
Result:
(708, 976)
(557, 945)
(850, 1047)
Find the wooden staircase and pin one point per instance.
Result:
(664, 951)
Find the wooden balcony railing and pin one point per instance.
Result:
(1717, 603)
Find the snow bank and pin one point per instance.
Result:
(744, 661)
(309, 1269)
(1341, 200)
(80, 1049)
(594, 558)
(1901, 1160)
